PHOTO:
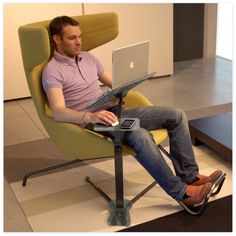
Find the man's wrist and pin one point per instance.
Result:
(85, 119)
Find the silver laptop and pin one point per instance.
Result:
(129, 63)
(130, 68)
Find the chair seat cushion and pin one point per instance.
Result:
(159, 135)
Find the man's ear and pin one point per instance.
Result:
(57, 39)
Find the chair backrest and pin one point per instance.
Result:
(36, 50)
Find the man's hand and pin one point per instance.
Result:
(103, 117)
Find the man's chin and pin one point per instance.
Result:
(77, 51)
(76, 54)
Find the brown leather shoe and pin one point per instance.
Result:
(196, 194)
(202, 179)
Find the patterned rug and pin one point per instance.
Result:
(63, 201)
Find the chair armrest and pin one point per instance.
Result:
(75, 141)
(136, 99)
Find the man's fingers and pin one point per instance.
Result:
(106, 117)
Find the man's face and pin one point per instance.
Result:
(69, 43)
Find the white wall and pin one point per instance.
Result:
(139, 22)
(15, 15)
(224, 46)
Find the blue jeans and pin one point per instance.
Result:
(150, 157)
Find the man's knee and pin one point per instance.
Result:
(177, 116)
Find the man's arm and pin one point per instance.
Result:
(62, 113)
(106, 79)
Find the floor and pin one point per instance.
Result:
(196, 84)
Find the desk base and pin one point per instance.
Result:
(120, 216)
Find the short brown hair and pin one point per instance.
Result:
(57, 24)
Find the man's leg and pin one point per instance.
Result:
(150, 157)
(175, 121)
(152, 160)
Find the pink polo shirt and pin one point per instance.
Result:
(77, 79)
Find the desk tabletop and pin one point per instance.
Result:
(136, 126)
(218, 127)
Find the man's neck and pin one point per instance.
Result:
(66, 55)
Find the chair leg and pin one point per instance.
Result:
(67, 163)
(108, 199)
(163, 150)
(35, 172)
(103, 194)
(137, 197)
(195, 210)
(218, 185)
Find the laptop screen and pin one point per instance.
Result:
(129, 63)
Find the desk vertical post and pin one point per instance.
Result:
(119, 171)
(119, 159)
(120, 207)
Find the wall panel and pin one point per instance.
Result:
(140, 22)
(16, 14)
(137, 22)
(210, 29)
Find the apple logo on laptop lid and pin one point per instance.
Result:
(131, 65)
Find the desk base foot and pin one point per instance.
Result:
(120, 216)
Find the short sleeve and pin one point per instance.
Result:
(51, 78)
(100, 68)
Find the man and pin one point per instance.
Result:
(70, 81)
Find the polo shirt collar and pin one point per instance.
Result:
(64, 59)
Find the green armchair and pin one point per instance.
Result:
(36, 50)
